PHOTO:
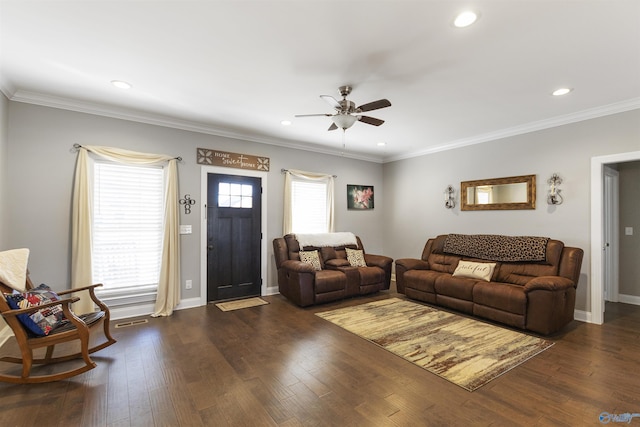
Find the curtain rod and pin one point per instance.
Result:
(78, 146)
(283, 170)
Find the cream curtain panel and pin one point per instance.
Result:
(169, 282)
(287, 223)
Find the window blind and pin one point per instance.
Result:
(127, 228)
(309, 206)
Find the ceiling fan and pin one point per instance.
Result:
(347, 113)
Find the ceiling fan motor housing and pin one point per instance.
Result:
(347, 107)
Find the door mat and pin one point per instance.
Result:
(241, 303)
(466, 352)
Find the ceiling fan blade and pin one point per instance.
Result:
(331, 101)
(375, 105)
(313, 115)
(370, 120)
(333, 127)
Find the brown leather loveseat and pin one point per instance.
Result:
(336, 278)
(532, 285)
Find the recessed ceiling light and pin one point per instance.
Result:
(121, 84)
(381, 144)
(561, 91)
(286, 123)
(465, 19)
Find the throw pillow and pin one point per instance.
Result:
(40, 322)
(356, 257)
(311, 257)
(475, 270)
(13, 268)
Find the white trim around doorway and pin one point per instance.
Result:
(597, 242)
(205, 170)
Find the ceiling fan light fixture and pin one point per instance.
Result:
(344, 121)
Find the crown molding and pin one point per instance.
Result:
(159, 120)
(592, 113)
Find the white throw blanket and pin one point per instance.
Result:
(326, 239)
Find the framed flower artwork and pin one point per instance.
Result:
(359, 197)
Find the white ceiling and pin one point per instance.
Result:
(238, 68)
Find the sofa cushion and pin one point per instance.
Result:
(355, 257)
(475, 270)
(443, 263)
(329, 281)
(421, 280)
(456, 287)
(371, 275)
(502, 296)
(311, 257)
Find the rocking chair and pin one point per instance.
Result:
(76, 329)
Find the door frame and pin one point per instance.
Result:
(610, 228)
(597, 224)
(204, 172)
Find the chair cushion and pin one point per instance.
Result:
(13, 268)
(41, 322)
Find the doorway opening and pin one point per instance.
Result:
(242, 285)
(598, 239)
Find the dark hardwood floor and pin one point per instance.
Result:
(280, 365)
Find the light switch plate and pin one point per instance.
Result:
(628, 231)
(185, 229)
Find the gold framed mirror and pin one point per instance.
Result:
(514, 192)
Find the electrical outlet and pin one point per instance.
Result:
(188, 284)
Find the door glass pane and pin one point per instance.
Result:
(235, 195)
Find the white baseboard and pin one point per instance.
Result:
(126, 312)
(271, 290)
(629, 299)
(582, 316)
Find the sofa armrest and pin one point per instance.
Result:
(336, 262)
(381, 261)
(412, 264)
(298, 266)
(405, 264)
(548, 283)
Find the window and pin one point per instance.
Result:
(235, 195)
(128, 209)
(309, 206)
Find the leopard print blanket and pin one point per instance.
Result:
(497, 247)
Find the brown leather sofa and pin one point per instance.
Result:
(533, 295)
(304, 285)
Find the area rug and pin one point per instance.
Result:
(467, 352)
(241, 303)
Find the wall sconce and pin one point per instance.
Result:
(187, 202)
(554, 197)
(449, 200)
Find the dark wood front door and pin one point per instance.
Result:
(233, 236)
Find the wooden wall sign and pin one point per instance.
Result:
(232, 160)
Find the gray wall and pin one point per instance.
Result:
(4, 141)
(414, 187)
(409, 200)
(41, 176)
(629, 268)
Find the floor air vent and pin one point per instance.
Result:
(132, 323)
